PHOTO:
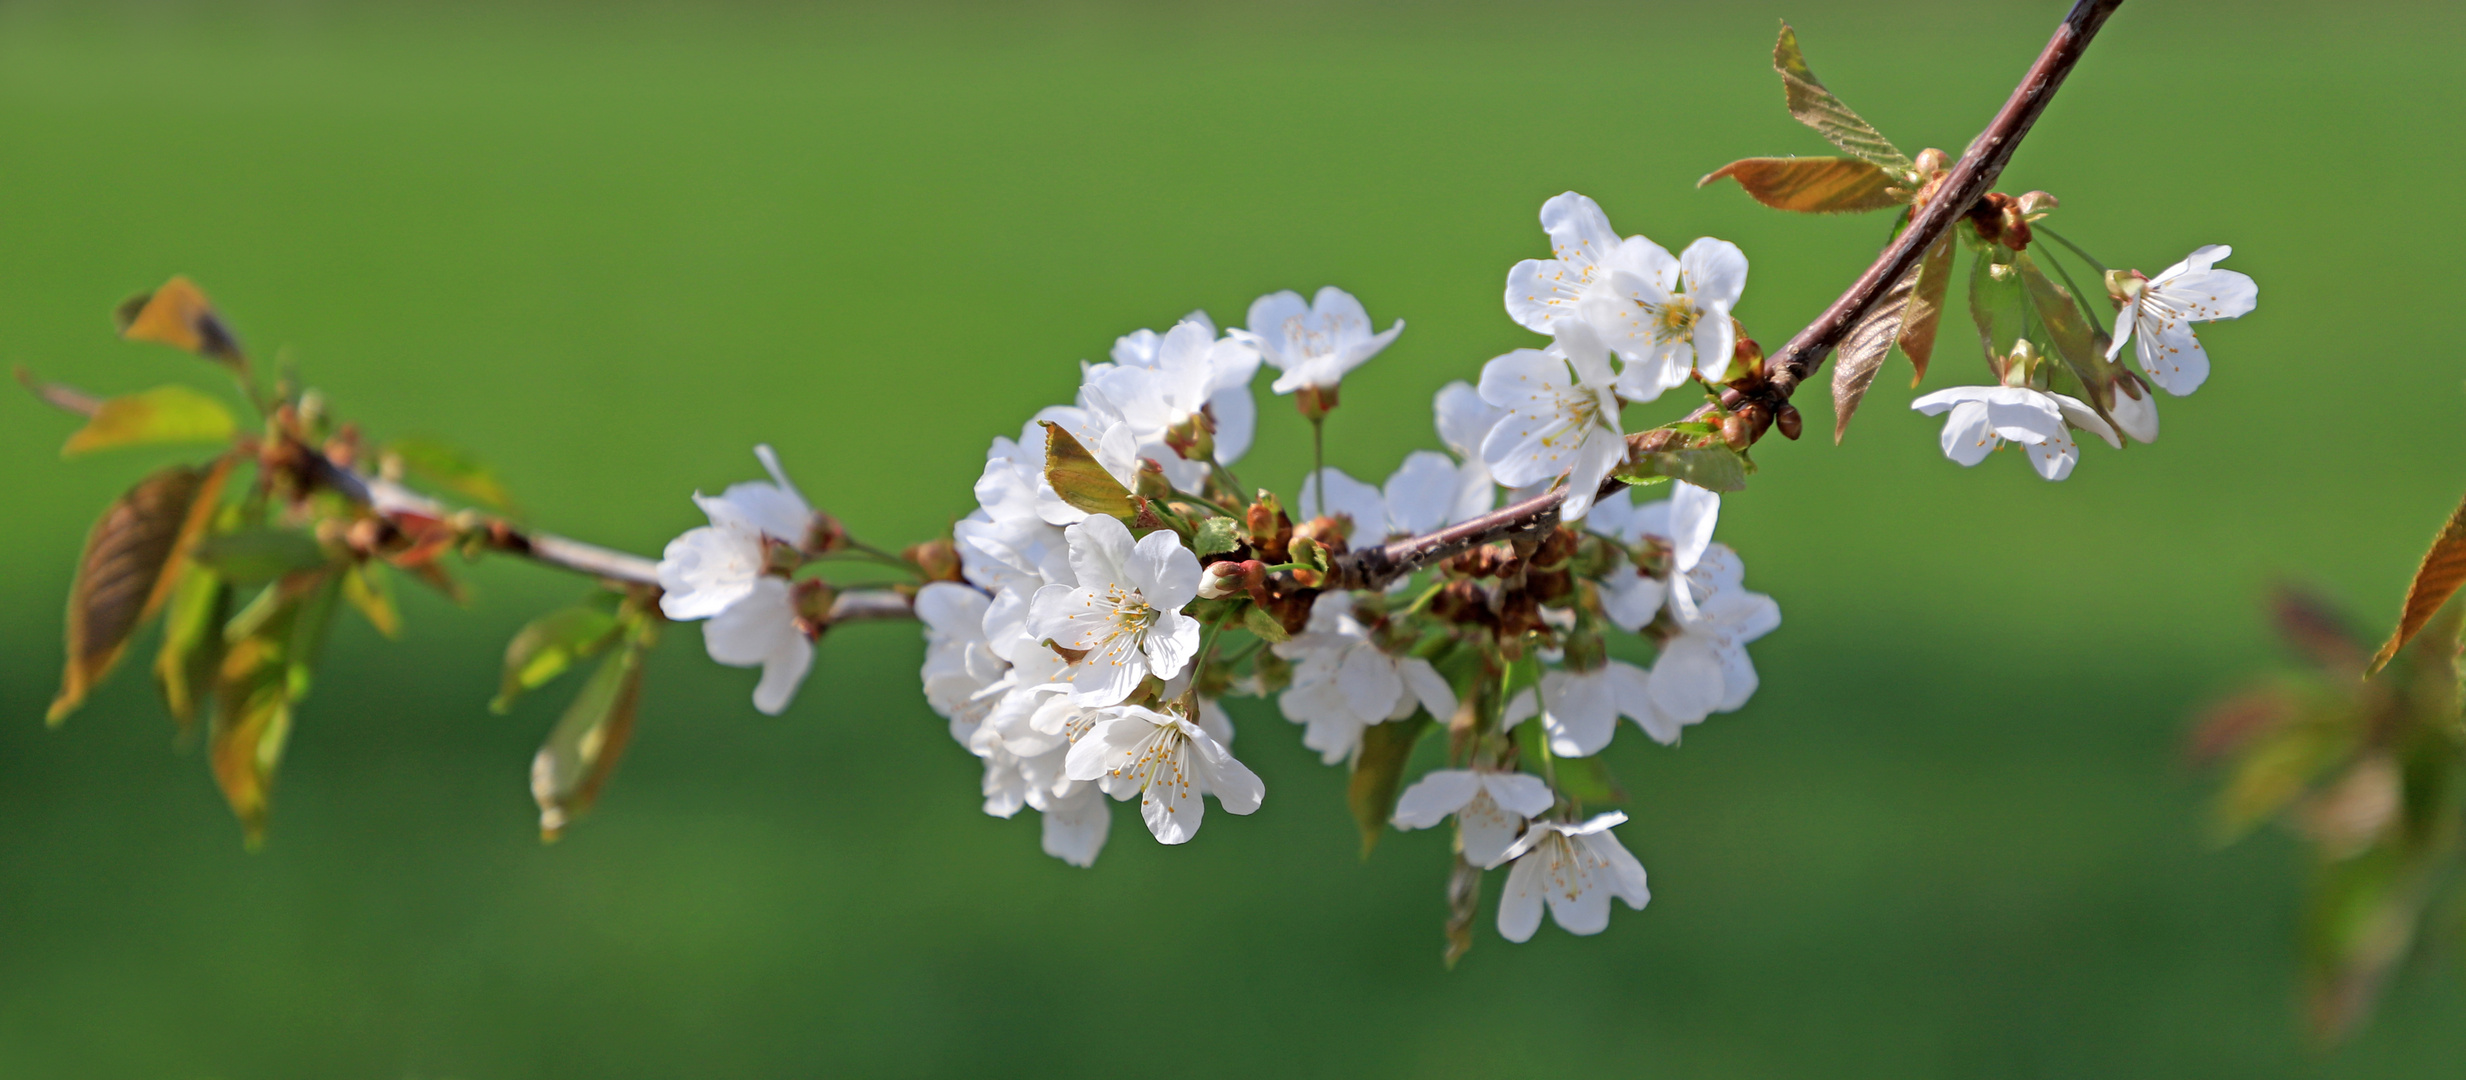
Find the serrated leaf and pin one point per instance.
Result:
(1376, 771)
(1831, 118)
(2068, 329)
(453, 469)
(1925, 313)
(179, 315)
(1863, 350)
(549, 646)
(1713, 468)
(1080, 479)
(2436, 579)
(192, 649)
(1216, 536)
(1256, 620)
(132, 560)
(372, 593)
(1814, 185)
(252, 555)
(583, 749)
(165, 414)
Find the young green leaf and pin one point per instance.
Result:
(1256, 620)
(369, 590)
(132, 559)
(179, 315)
(1925, 314)
(1831, 118)
(1814, 185)
(453, 469)
(265, 673)
(1713, 468)
(549, 646)
(165, 414)
(252, 555)
(2436, 579)
(1216, 536)
(1376, 771)
(2069, 331)
(1080, 479)
(583, 749)
(192, 649)
(1996, 300)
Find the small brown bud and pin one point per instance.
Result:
(1789, 422)
(937, 559)
(824, 534)
(1736, 431)
(811, 599)
(1746, 370)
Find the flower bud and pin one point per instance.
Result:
(1746, 359)
(1152, 482)
(1309, 552)
(2037, 204)
(1219, 580)
(937, 559)
(1932, 161)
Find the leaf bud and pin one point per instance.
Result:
(2037, 204)
(1932, 161)
(1265, 519)
(1789, 422)
(1309, 552)
(1315, 402)
(1746, 368)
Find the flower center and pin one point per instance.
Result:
(1673, 321)
(1132, 614)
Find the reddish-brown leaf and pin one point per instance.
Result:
(2443, 570)
(179, 315)
(1814, 185)
(1863, 350)
(1926, 308)
(132, 559)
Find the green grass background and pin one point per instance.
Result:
(609, 249)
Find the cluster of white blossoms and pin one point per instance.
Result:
(1077, 648)
(2155, 316)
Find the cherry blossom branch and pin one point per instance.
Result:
(396, 503)
(1963, 185)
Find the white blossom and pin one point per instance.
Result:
(760, 629)
(1424, 494)
(1576, 869)
(1314, 344)
(1124, 613)
(960, 665)
(1705, 668)
(1579, 710)
(1683, 523)
(1169, 762)
(1984, 417)
(1159, 382)
(1464, 420)
(709, 568)
(1490, 807)
(1665, 317)
(2158, 314)
(1343, 682)
(1561, 417)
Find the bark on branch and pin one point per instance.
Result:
(1969, 178)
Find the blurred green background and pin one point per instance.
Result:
(608, 249)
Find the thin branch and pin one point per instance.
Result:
(1969, 178)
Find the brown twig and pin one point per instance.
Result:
(394, 502)
(1969, 178)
